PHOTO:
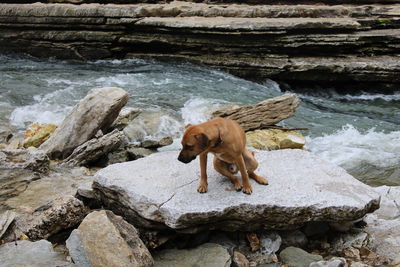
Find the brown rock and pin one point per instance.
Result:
(240, 259)
(254, 241)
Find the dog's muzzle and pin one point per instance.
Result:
(183, 159)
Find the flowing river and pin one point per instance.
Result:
(359, 132)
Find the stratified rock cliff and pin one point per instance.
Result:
(352, 45)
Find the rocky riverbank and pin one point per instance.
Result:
(342, 46)
(312, 212)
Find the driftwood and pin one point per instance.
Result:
(267, 112)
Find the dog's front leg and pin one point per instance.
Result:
(203, 186)
(245, 177)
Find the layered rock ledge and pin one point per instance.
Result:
(296, 44)
(302, 188)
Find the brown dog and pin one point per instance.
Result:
(227, 141)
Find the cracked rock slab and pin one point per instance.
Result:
(158, 191)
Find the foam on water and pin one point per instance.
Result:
(198, 110)
(354, 150)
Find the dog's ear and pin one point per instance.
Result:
(203, 140)
(187, 125)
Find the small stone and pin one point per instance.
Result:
(347, 240)
(334, 262)
(153, 144)
(5, 134)
(207, 254)
(138, 152)
(254, 241)
(36, 134)
(372, 258)
(270, 242)
(125, 116)
(351, 253)
(297, 257)
(240, 260)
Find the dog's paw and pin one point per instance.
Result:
(237, 186)
(262, 180)
(202, 188)
(247, 189)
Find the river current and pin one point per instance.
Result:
(359, 132)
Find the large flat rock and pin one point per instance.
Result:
(158, 191)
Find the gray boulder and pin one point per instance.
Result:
(97, 111)
(296, 257)
(159, 191)
(31, 254)
(210, 255)
(94, 149)
(104, 239)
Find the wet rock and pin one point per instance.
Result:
(334, 262)
(13, 182)
(156, 143)
(297, 257)
(36, 134)
(30, 254)
(31, 159)
(51, 218)
(97, 111)
(267, 112)
(42, 191)
(157, 197)
(103, 239)
(205, 255)
(125, 116)
(273, 139)
(6, 218)
(94, 149)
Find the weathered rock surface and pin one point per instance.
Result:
(208, 254)
(36, 134)
(25, 192)
(292, 43)
(104, 239)
(59, 214)
(30, 159)
(94, 149)
(302, 188)
(126, 115)
(272, 139)
(13, 182)
(268, 112)
(31, 254)
(97, 111)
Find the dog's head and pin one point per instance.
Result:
(194, 141)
